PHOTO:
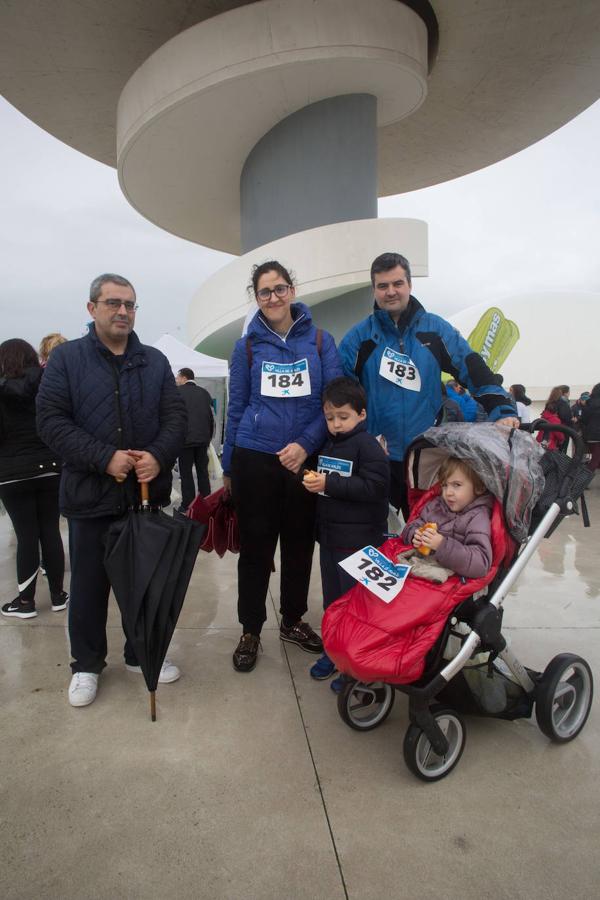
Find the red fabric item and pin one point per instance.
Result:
(376, 641)
(217, 513)
(554, 439)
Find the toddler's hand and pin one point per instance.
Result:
(431, 538)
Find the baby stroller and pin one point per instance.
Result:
(467, 667)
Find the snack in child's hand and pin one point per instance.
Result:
(309, 475)
(422, 549)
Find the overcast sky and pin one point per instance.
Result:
(528, 223)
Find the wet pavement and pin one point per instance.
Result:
(250, 785)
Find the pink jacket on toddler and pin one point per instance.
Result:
(467, 546)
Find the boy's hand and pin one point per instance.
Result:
(431, 538)
(315, 484)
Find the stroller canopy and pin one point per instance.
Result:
(506, 460)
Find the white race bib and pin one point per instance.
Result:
(285, 379)
(400, 370)
(376, 572)
(328, 464)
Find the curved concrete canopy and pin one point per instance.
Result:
(190, 116)
(507, 74)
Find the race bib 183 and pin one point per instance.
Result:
(376, 572)
(400, 370)
(285, 379)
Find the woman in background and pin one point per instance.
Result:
(47, 345)
(590, 426)
(29, 478)
(522, 402)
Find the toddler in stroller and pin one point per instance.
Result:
(441, 644)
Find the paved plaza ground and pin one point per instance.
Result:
(250, 786)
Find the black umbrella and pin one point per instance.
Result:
(149, 559)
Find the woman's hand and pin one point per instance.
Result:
(316, 483)
(292, 457)
(227, 484)
(509, 422)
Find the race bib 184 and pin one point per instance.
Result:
(285, 379)
(376, 572)
(400, 370)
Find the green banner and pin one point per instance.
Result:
(494, 337)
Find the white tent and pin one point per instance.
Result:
(182, 357)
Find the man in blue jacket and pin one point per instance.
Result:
(109, 407)
(398, 354)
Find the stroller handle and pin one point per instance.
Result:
(543, 425)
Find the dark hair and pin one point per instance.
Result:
(270, 266)
(595, 392)
(388, 261)
(451, 464)
(518, 392)
(565, 388)
(187, 373)
(16, 355)
(555, 395)
(101, 280)
(345, 390)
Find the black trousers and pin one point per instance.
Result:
(398, 487)
(188, 458)
(271, 503)
(33, 509)
(335, 581)
(90, 587)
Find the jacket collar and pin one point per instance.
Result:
(340, 438)
(134, 352)
(410, 314)
(300, 314)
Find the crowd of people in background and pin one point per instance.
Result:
(314, 447)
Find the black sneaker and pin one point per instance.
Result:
(19, 609)
(244, 655)
(59, 601)
(302, 634)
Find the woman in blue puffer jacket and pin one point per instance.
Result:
(275, 426)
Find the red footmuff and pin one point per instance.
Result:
(375, 641)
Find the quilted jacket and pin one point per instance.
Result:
(92, 403)
(268, 424)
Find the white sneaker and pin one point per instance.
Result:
(168, 673)
(83, 688)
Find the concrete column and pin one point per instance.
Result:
(316, 167)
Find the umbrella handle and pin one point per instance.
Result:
(145, 492)
(153, 705)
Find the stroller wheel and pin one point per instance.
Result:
(419, 755)
(564, 697)
(365, 706)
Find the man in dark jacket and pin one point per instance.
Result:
(109, 407)
(200, 427)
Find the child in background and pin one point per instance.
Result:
(353, 479)
(462, 513)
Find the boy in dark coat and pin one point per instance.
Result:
(353, 481)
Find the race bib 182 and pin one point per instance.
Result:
(285, 379)
(400, 370)
(376, 572)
